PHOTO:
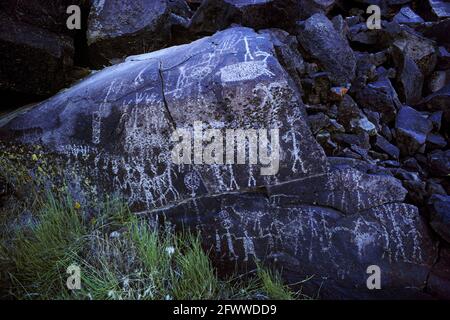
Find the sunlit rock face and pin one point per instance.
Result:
(311, 218)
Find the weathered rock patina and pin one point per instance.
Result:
(119, 28)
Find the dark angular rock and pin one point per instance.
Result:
(332, 112)
(364, 126)
(374, 117)
(340, 163)
(340, 25)
(49, 15)
(385, 146)
(443, 58)
(326, 45)
(241, 227)
(405, 175)
(115, 127)
(328, 145)
(386, 132)
(437, 81)
(286, 47)
(353, 119)
(214, 15)
(118, 29)
(412, 130)
(421, 50)
(409, 78)
(348, 110)
(345, 139)
(436, 120)
(36, 52)
(317, 122)
(417, 193)
(422, 159)
(360, 34)
(437, 31)
(390, 164)
(379, 96)
(336, 127)
(435, 187)
(316, 88)
(347, 190)
(439, 163)
(440, 215)
(440, 8)
(407, 16)
(180, 8)
(348, 153)
(353, 20)
(310, 7)
(439, 101)
(438, 281)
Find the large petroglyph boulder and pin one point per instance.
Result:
(113, 132)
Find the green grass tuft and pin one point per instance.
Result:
(197, 278)
(43, 251)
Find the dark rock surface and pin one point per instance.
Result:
(214, 15)
(440, 163)
(379, 96)
(440, 8)
(118, 29)
(306, 240)
(319, 38)
(150, 95)
(439, 101)
(440, 211)
(40, 58)
(362, 116)
(407, 16)
(36, 48)
(384, 145)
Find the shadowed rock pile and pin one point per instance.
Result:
(363, 118)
